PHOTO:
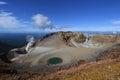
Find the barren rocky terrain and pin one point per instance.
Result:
(84, 57)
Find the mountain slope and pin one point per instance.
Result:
(106, 69)
(105, 66)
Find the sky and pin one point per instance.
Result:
(59, 15)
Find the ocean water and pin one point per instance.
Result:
(18, 39)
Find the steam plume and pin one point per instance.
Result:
(31, 41)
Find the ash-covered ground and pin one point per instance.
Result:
(72, 48)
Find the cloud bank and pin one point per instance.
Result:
(2, 3)
(39, 22)
(7, 20)
(116, 22)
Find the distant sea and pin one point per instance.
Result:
(19, 39)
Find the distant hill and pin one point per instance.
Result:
(61, 39)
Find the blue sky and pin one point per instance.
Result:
(56, 15)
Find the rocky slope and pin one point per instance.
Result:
(105, 65)
(61, 38)
(111, 53)
(79, 39)
(104, 69)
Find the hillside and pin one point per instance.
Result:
(78, 56)
(105, 69)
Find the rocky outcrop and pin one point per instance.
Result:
(65, 37)
(79, 39)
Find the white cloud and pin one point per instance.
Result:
(2, 3)
(116, 22)
(7, 20)
(41, 21)
(10, 22)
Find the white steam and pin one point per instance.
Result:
(31, 41)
